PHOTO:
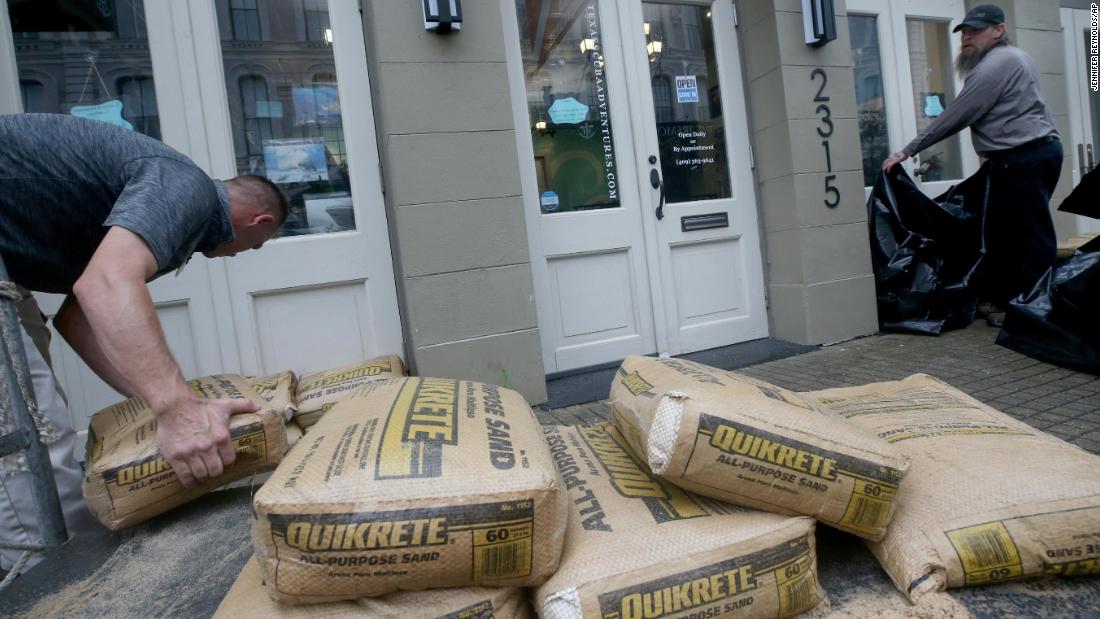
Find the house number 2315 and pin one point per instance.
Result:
(832, 194)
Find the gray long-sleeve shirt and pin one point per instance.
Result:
(1001, 103)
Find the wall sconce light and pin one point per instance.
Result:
(588, 45)
(818, 21)
(540, 125)
(442, 16)
(646, 26)
(654, 49)
(328, 35)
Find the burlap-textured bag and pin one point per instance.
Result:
(278, 391)
(294, 434)
(987, 499)
(410, 484)
(317, 392)
(248, 599)
(640, 547)
(742, 440)
(127, 480)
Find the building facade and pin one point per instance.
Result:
(555, 186)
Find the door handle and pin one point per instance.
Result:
(1092, 164)
(655, 181)
(1083, 168)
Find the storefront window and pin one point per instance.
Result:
(687, 102)
(933, 90)
(285, 107)
(568, 104)
(874, 139)
(86, 58)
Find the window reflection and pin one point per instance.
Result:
(569, 106)
(284, 106)
(874, 139)
(86, 58)
(933, 89)
(687, 102)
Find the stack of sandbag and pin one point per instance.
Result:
(987, 498)
(317, 392)
(745, 441)
(278, 390)
(127, 480)
(248, 599)
(639, 546)
(410, 484)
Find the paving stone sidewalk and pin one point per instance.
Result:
(1062, 402)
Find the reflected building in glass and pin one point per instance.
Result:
(91, 58)
(284, 105)
(87, 55)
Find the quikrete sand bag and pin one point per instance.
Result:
(248, 599)
(294, 434)
(317, 392)
(639, 547)
(987, 499)
(127, 480)
(277, 390)
(411, 484)
(742, 440)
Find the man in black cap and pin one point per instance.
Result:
(1010, 126)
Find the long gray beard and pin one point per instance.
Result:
(966, 61)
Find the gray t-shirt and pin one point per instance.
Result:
(64, 181)
(1001, 103)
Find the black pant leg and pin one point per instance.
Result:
(1020, 238)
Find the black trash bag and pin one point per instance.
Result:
(1059, 320)
(926, 253)
(1085, 197)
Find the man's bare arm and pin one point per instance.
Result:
(72, 324)
(192, 432)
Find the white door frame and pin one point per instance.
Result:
(893, 44)
(636, 138)
(192, 103)
(1074, 24)
(661, 236)
(541, 229)
(346, 255)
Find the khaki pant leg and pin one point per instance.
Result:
(34, 323)
(18, 512)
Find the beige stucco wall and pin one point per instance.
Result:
(818, 258)
(451, 176)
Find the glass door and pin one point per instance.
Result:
(1084, 102)
(639, 192)
(691, 127)
(588, 251)
(902, 53)
(240, 87)
(95, 60)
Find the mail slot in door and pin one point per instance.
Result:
(704, 222)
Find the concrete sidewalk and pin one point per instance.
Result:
(1061, 402)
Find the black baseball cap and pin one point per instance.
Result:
(982, 17)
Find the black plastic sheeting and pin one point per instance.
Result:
(926, 253)
(1059, 320)
(1085, 197)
